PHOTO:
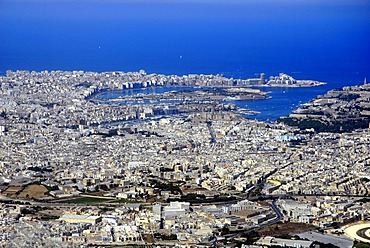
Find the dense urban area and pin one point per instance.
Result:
(76, 171)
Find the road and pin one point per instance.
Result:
(211, 132)
(279, 217)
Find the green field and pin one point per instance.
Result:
(124, 201)
(86, 200)
(361, 245)
(96, 200)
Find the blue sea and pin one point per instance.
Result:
(321, 40)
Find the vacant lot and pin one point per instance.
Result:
(11, 191)
(245, 213)
(286, 228)
(85, 200)
(148, 238)
(33, 191)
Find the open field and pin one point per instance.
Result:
(11, 191)
(53, 212)
(94, 200)
(33, 191)
(86, 200)
(245, 213)
(286, 228)
(124, 201)
(148, 238)
(361, 245)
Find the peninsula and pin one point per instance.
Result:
(339, 110)
(117, 80)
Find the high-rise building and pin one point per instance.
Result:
(262, 78)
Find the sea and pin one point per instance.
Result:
(320, 40)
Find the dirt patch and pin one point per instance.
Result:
(49, 214)
(246, 213)
(33, 191)
(54, 212)
(12, 191)
(148, 238)
(286, 228)
(264, 203)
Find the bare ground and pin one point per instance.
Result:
(33, 191)
(290, 228)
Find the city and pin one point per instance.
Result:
(77, 171)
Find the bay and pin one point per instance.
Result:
(282, 102)
(319, 40)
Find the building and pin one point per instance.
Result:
(176, 209)
(72, 218)
(272, 241)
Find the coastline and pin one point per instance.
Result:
(281, 102)
(296, 85)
